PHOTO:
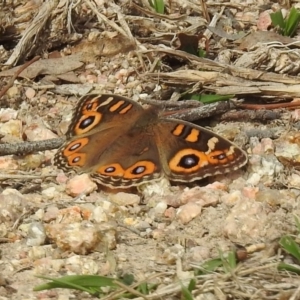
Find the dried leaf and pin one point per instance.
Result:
(263, 37)
(51, 66)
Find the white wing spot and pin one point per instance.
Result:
(211, 144)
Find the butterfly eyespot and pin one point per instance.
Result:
(220, 156)
(189, 161)
(76, 159)
(89, 106)
(87, 122)
(110, 170)
(74, 147)
(138, 170)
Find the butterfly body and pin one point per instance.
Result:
(121, 144)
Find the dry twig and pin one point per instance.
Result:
(29, 147)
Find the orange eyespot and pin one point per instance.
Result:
(140, 169)
(77, 159)
(90, 105)
(188, 161)
(75, 146)
(87, 122)
(115, 170)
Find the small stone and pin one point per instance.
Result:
(12, 128)
(80, 184)
(158, 234)
(44, 264)
(295, 115)
(70, 215)
(171, 254)
(38, 132)
(37, 252)
(3, 281)
(30, 93)
(254, 179)
(51, 214)
(61, 178)
(160, 208)
(124, 199)
(247, 221)
(272, 197)
(250, 192)
(217, 186)
(3, 230)
(268, 145)
(32, 161)
(130, 221)
(99, 215)
(156, 188)
(188, 212)
(294, 180)
(288, 147)
(142, 225)
(39, 214)
(50, 193)
(231, 198)
(237, 184)
(174, 200)
(12, 203)
(36, 234)
(264, 20)
(80, 238)
(199, 253)
(7, 114)
(267, 166)
(170, 213)
(13, 92)
(8, 163)
(203, 196)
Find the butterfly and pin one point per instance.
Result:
(121, 144)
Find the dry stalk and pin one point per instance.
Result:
(32, 32)
(103, 18)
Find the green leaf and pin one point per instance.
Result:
(287, 267)
(158, 5)
(127, 279)
(201, 53)
(277, 20)
(209, 266)
(231, 260)
(297, 221)
(143, 288)
(292, 22)
(288, 26)
(290, 246)
(210, 98)
(187, 295)
(88, 283)
(192, 285)
(228, 260)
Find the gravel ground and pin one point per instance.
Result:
(54, 223)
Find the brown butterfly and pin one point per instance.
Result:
(121, 144)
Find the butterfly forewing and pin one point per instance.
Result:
(96, 113)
